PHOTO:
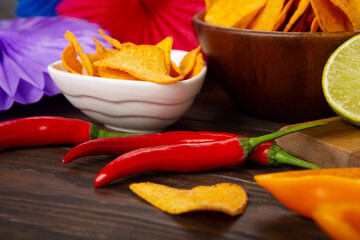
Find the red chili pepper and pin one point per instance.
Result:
(119, 145)
(40, 131)
(271, 154)
(187, 157)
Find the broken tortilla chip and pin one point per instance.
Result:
(111, 40)
(197, 68)
(231, 13)
(85, 61)
(70, 60)
(223, 197)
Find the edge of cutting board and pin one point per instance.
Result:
(336, 144)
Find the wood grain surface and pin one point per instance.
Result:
(41, 198)
(335, 145)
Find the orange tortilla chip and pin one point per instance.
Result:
(114, 73)
(224, 197)
(284, 15)
(267, 18)
(103, 52)
(174, 70)
(85, 61)
(302, 7)
(209, 3)
(70, 60)
(333, 15)
(188, 62)
(305, 21)
(314, 25)
(166, 46)
(197, 68)
(144, 62)
(231, 13)
(111, 40)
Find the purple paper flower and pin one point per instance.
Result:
(28, 46)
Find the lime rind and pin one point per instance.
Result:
(341, 80)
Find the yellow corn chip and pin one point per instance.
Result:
(166, 46)
(303, 5)
(231, 13)
(197, 68)
(111, 40)
(103, 52)
(314, 25)
(332, 15)
(209, 3)
(355, 4)
(267, 17)
(128, 44)
(224, 197)
(70, 60)
(284, 14)
(144, 62)
(92, 57)
(113, 73)
(84, 58)
(174, 70)
(303, 24)
(188, 62)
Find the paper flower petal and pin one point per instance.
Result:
(140, 21)
(28, 46)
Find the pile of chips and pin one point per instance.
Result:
(285, 15)
(130, 61)
(223, 197)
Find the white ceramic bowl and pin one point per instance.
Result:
(127, 105)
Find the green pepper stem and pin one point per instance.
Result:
(277, 156)
(95, 132)
(268, 137)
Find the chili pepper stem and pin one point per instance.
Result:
(255, 141)
(278, 156)
(96, 132)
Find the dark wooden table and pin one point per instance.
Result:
(41, 198)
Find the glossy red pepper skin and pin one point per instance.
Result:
(187, 157)
(120, 145)
(48, 130)
(39, 131)
(266, 153)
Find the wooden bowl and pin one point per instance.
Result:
(271, 75)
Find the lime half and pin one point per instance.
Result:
(341, 80)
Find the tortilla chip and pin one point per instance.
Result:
(284, 15)
(302, 7)
(188, 62)
(175, 70)
(267, 18)
(111, 40)
(209, 3)
(166, 46)
(197, 68)
(314, 25)
(103, 52)
(224, 197)
(144, 62)
(303, 24)
(70, 60)
(333, 16)
(231, 13)
(114, 73)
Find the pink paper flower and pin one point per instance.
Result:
(139, 21)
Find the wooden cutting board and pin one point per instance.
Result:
(335, 145)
